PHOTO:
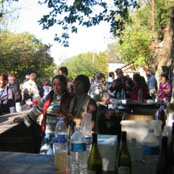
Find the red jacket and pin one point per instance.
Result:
(134, 92)
(66, 98)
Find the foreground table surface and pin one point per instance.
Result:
(26, 163)
(6, 120)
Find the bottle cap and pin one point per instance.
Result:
(61, 119)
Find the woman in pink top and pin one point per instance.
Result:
(164, 92)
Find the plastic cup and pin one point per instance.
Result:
(18, 107)
(12, 109)
(86, 122)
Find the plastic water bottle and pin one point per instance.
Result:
(118, 95)
(140, 95)
(123, 94)
(78, 152)
(60, 146)
(88, 138)
(151, 149)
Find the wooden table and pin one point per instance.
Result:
(26, 163)
(6, 120)
(17, 137)
(135, 106)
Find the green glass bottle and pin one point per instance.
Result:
(94, 160)
(163, 164)
(123, 162)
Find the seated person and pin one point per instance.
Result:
(164, 92)
(55, 103)
(82, 102)
(139, 84)
(6, 95)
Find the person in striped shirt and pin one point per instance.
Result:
(52, 107)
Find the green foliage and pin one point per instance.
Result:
(87, 64)
(162, 16)
(22, 54)
(70, 14)
(135, 44)
(101, 62)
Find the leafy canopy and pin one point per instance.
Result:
(87, 64)
(136, 42)
(69, 14)
(23, 54)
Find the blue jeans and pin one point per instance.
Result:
(47, 144)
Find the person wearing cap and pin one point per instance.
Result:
(98, 90)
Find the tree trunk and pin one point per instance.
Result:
(166, 53)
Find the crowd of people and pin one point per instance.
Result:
(71, 99)
(12, 92)
(113, 88)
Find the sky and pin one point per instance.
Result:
(94, 39)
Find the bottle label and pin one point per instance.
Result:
(78, 147)
(88, 140)
(151, 150)
(124, 170)
(60, 139)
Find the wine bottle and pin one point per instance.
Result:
(123, 161)
(94, 160)
(163, 164)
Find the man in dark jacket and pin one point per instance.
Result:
(6, 95)
(15, 86)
